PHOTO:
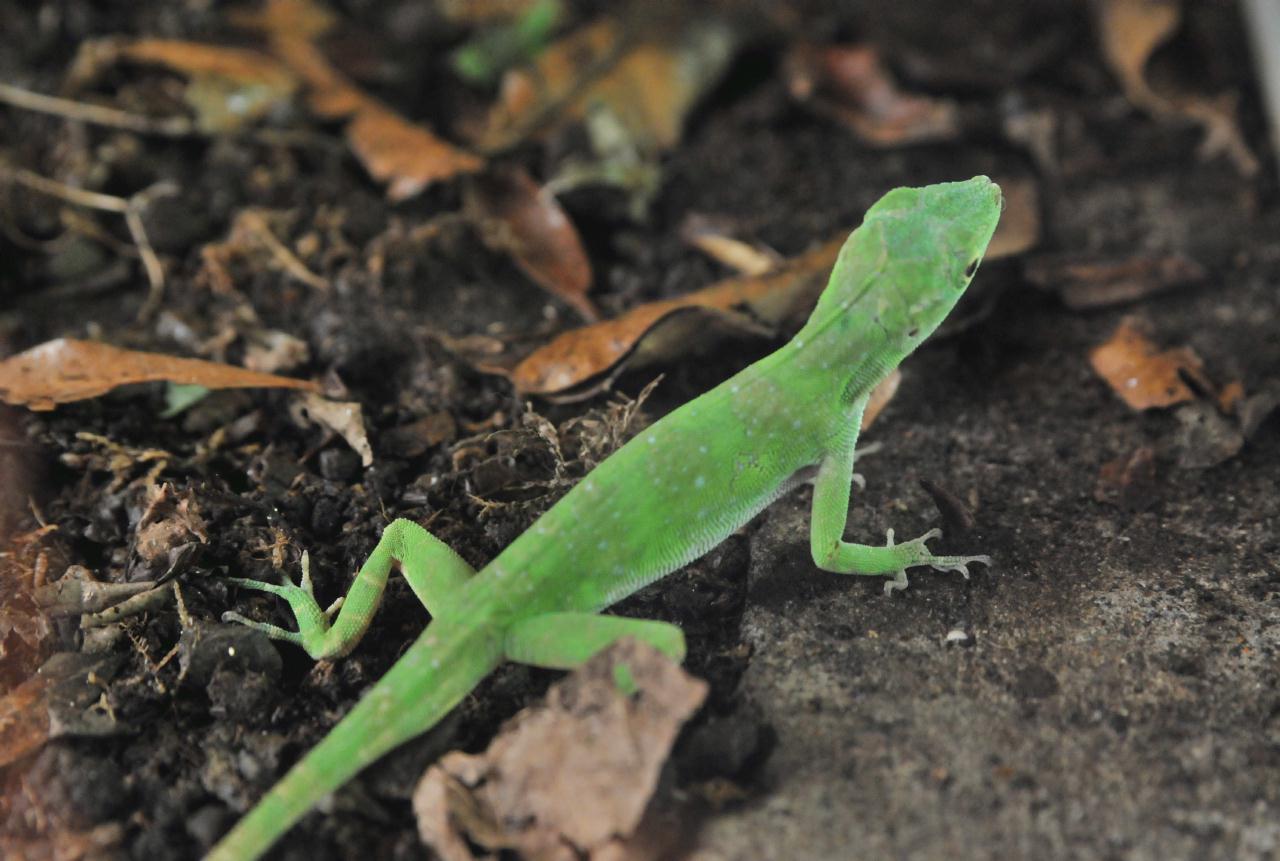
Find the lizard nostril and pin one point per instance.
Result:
(971, 269)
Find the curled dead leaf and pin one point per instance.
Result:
(344, 418)
(849, 84)
(517, 217)
(1143, 375)
(65, 370)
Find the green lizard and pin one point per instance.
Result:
(662, 500)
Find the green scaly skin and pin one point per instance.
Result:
(665, 498)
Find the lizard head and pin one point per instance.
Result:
(901, 273)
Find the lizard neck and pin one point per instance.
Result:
(844, 356)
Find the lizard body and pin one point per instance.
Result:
(668, 496)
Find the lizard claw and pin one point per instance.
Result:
(958, 564)
(919, 554)
(313, 623)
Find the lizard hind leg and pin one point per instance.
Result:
(562, 641)
(432, 569)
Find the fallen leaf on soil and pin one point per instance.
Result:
(65, 370)
(1130, 32)
(578, 355)
(572, 777)
(849, 84)
(228, 87)
(648, 83)
(1143, 375)
(516, 217)
(404, 155)
(407, 156)
(1086, 283)
(342, 417)
(168, 531)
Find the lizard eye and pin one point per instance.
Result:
(971, 269)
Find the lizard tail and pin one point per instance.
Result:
(445, 664)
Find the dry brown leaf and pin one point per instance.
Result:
(571, 777)
(65, 370)
(407, 156)
(228, 86)
(647, 83)
(329, 94)
(404, 155)
(344, 418)
(1130, 32)
(195, 58)
(518, 218)
(849, 84)
(1143, 375)
(1087, 283)
(576, 356)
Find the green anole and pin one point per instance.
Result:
(668, 496)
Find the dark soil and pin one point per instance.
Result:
(1107, 689)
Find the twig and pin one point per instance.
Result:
(174, 127)
(257, 224)
(130, 207)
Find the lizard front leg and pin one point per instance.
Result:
(830, 515)
(433, 570)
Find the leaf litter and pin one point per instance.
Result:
(571, 777)
(66, 369)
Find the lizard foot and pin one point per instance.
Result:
(313, 623)
(919, 554)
